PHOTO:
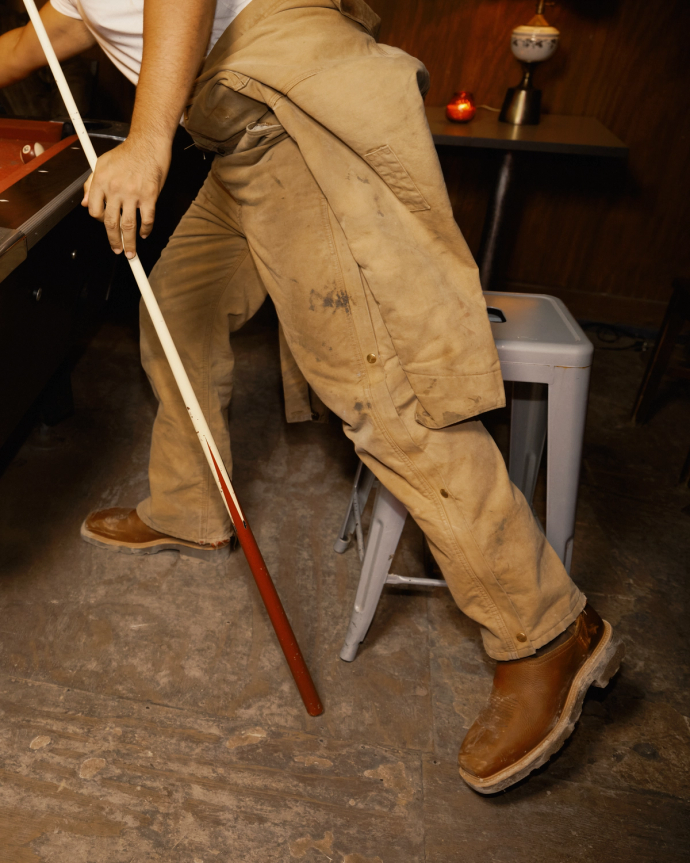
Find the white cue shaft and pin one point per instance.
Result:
(208, 445)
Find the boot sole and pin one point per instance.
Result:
(596, 671)
(187, 549)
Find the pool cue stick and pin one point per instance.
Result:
(274, 607)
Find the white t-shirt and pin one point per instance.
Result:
(118, 27)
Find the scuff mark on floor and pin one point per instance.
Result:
(359, 858)
(91, 767)
(393, 776)
(300, 846)
(313, 761)
(246, 738)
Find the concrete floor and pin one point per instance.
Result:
(147, 715)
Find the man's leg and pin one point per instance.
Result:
(207, 287)
(499, 567)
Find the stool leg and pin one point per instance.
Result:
(528, 421)
(567, 410)
(387, 521)
(364, 479)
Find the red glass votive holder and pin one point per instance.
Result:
(461, 108)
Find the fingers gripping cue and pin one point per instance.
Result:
(274, 607)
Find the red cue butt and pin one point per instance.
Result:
(30, 151)
(274, 607)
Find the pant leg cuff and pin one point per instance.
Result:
(504, 652)
(179, 531)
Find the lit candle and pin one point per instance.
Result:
(461, 108)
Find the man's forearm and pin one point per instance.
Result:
(21, 52)
(175, 37)
(130, 177)
(11, 66)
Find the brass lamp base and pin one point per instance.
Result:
(521, 107)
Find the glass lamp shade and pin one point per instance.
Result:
(534, 43)
(461, 107)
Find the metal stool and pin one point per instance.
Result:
(546, 354)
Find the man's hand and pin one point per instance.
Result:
(128, 178)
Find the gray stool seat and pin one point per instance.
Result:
(544, 351)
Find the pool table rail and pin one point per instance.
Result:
(38, 201)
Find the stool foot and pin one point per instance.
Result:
(342, 545)
(351, 645)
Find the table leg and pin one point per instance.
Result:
(677, 313)
(494, 222)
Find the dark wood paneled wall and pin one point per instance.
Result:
(607, 238)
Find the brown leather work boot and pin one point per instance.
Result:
(535, 703)
(121, 529)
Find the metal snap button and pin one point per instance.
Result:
(371, 358)
(521, 636)
(444, 493)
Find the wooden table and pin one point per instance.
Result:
(571, 136)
